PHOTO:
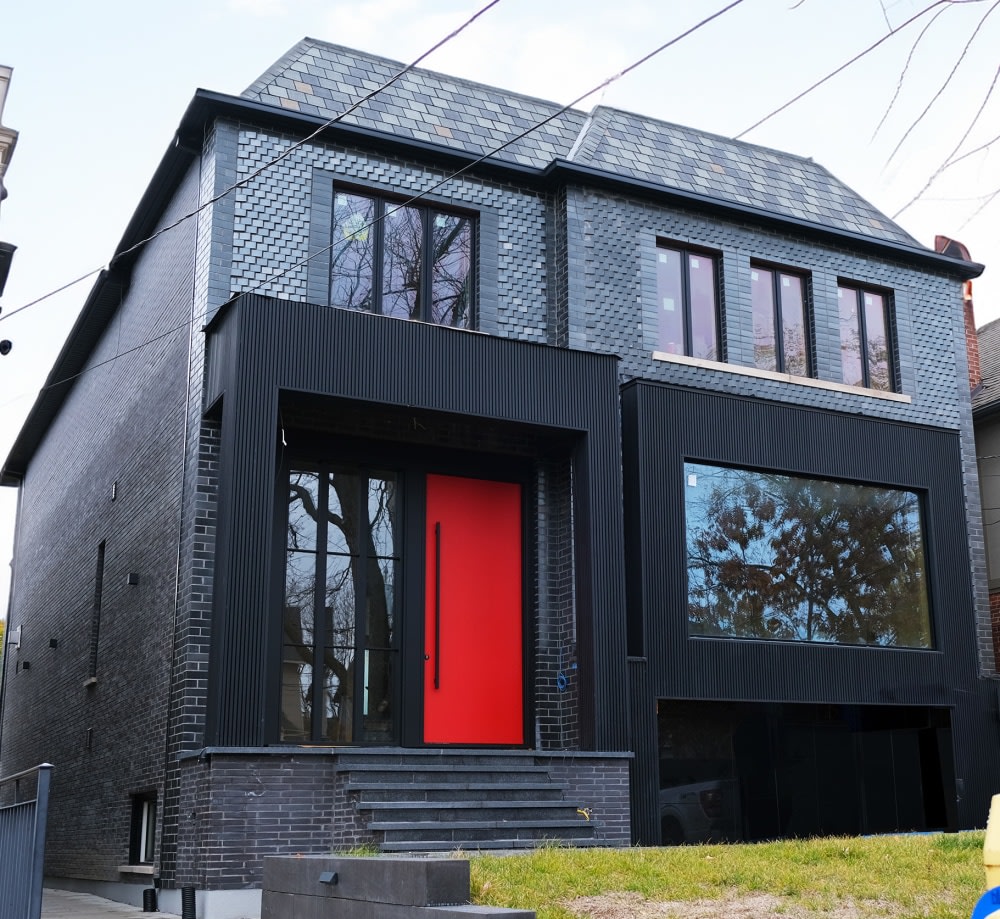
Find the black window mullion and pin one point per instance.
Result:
(426, 264)
(361, 606)
(319, 604)
(378, 247)
(686, 298)
(779, 333)
(859, 306)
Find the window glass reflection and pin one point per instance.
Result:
(704, 335)
(352, 253)
(779, 557)
(451, 267)
(765, 356)
(401, 262)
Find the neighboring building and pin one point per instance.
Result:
(653, 525)
(986, 417)
(8, 139)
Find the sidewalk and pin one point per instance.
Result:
(65, 904)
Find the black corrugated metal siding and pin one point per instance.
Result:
(667, 425)
(260, 347)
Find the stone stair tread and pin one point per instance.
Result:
(486, 844)
(437, 825)
(453, 786)
(482, 804)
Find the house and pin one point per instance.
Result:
(402, 484)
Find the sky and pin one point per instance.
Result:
(98, 89)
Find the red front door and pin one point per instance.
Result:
(473, 677)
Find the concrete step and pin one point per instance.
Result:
(448, 791)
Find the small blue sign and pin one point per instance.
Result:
(988, 905)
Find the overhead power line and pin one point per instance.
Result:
(242, 182)
(603, 84)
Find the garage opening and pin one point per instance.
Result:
(754, 771)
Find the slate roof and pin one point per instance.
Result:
(320, 79)
(988, 393)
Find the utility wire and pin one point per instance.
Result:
(847, 64)
(513, 140)
(244, 181)
(485, 156)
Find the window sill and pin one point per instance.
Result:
(781, 377)
(136, 869)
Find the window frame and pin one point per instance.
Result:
(686, 253)
(860, 291)
(385, 203)
(920, 499)
(142, 829)
(778, 316)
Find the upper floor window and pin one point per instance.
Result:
(780, 330)
(865, 357)
(403, 261)
(687, 303)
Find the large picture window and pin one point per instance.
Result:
(687, 303)
(780, 557)
(865, 344)
(402, 261)
(339, 620)
(780, 329)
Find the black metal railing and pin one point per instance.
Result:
(24, 806)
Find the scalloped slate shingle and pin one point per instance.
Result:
(317, 78)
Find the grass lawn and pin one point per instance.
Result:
(938, 876)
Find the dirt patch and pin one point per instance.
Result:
(751, 906)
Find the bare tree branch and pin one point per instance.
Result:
(905, 70)
(853, 60)
(944, 85)
(958, 146)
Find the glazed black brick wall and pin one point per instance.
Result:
(613, 309)
(235, 809)
(556, 685)
(599, 785)
(271, 235)
(122, 423)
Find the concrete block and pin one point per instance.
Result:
(404, 881)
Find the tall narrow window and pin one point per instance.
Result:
(402, 261)
(687, 303)
(865, 345)
(780, 330)
(95, 614)
(340, 644)
(142, 836)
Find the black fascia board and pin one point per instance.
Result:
(100, 306)
(567, 171)
(206, 106)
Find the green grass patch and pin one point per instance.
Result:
(932, 877)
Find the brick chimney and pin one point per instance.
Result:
(950, 247)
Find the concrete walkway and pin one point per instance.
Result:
(65, 904)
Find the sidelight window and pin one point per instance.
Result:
(400, 260)
(339, 620)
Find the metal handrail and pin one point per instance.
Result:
(36, 862)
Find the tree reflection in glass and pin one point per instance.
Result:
(353, 517)
(779, 557)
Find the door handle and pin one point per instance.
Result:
(437, 605)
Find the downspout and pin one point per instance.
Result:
(10, 603)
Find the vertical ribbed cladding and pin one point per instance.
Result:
(644, 780)
(291, 347)
(668, 425)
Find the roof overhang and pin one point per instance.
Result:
(207, 106)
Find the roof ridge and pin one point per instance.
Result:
(440, 74)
